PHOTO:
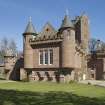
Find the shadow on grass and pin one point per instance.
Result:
(2, 78)
(12, 97)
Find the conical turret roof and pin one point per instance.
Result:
(30, 28)
(66, 22)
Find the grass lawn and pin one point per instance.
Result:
(44, 93)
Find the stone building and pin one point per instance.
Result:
(96, 63)
(9, 62)
(57, 55)
(53, 55)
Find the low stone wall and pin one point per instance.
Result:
(2, 74)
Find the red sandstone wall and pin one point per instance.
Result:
(55, 64)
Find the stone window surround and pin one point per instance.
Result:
(49, 57)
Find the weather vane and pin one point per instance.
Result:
(30, 19)
(67, 12)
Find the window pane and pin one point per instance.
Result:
(46, 56)
(51, 56)
(41, 56)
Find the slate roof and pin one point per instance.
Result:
(30, 28)
(66, 22)
(47, 33)
(47, 30)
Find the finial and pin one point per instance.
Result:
(83, 13)
(30, 19)
(67, 12)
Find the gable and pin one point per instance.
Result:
(48, 29)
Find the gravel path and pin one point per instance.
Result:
(6, 81)
(93, 82)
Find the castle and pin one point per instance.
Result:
(52, 55)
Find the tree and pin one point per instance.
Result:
(3, 48)
(5, 45)
(92, 45)
(96, 45)
(13, 47)
(103, 46)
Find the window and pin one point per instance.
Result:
(51, 56)
(41, 57)
(46, 56)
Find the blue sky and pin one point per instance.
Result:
(14, 15)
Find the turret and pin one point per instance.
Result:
(68, 43)
(27, 49)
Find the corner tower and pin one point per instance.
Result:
(85, 31)
(82, 30)
(27, 49)
(68, 43)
